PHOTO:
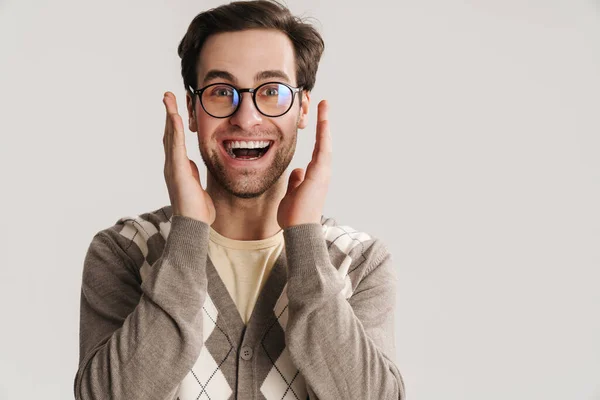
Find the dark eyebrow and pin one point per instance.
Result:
(274, 73)
(218, 74)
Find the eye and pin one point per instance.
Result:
(221, 91)
(270, 91)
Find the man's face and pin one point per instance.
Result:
(245, 59)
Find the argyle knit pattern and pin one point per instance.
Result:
(157, 321)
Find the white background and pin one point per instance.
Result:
(466, 135)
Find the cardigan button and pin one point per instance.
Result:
(246, 353)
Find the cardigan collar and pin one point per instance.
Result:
(263, 315)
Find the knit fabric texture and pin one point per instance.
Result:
(157, 321)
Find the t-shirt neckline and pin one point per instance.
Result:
(270, 241)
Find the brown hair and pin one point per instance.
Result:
(258, 14)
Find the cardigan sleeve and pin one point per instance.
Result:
(344, 348)
(139, 341)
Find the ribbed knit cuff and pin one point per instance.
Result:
(306, 249)
(187, 242)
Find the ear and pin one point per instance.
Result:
(191, 112)
(304, 107)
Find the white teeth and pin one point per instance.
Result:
(247, 145)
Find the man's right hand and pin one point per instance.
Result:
(188, 198)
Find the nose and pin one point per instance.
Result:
(246, 116)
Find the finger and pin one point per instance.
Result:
(174, 130)
(323, 152)
(295, 179)
(166, 135)
(321, 156)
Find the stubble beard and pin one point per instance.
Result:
(251, 183)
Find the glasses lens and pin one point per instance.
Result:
(274, 99)
(220, 100)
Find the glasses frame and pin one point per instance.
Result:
(252, 91)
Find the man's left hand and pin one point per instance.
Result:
(306, 192)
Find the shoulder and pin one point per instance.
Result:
(354, 252)
(140, 236)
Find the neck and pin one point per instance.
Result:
(246, 219)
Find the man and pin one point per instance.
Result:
(243, 290)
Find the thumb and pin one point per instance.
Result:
(296, 178)
(195, 172)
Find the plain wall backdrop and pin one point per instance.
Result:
(466, 134)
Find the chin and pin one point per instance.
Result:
(247, 182)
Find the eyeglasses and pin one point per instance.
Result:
(222, 100)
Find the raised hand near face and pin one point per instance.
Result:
(307, 190)
(187, 196)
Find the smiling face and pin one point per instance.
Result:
(246, 59)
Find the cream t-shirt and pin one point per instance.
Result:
(244, 266)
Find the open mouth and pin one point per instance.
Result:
(248, 151)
